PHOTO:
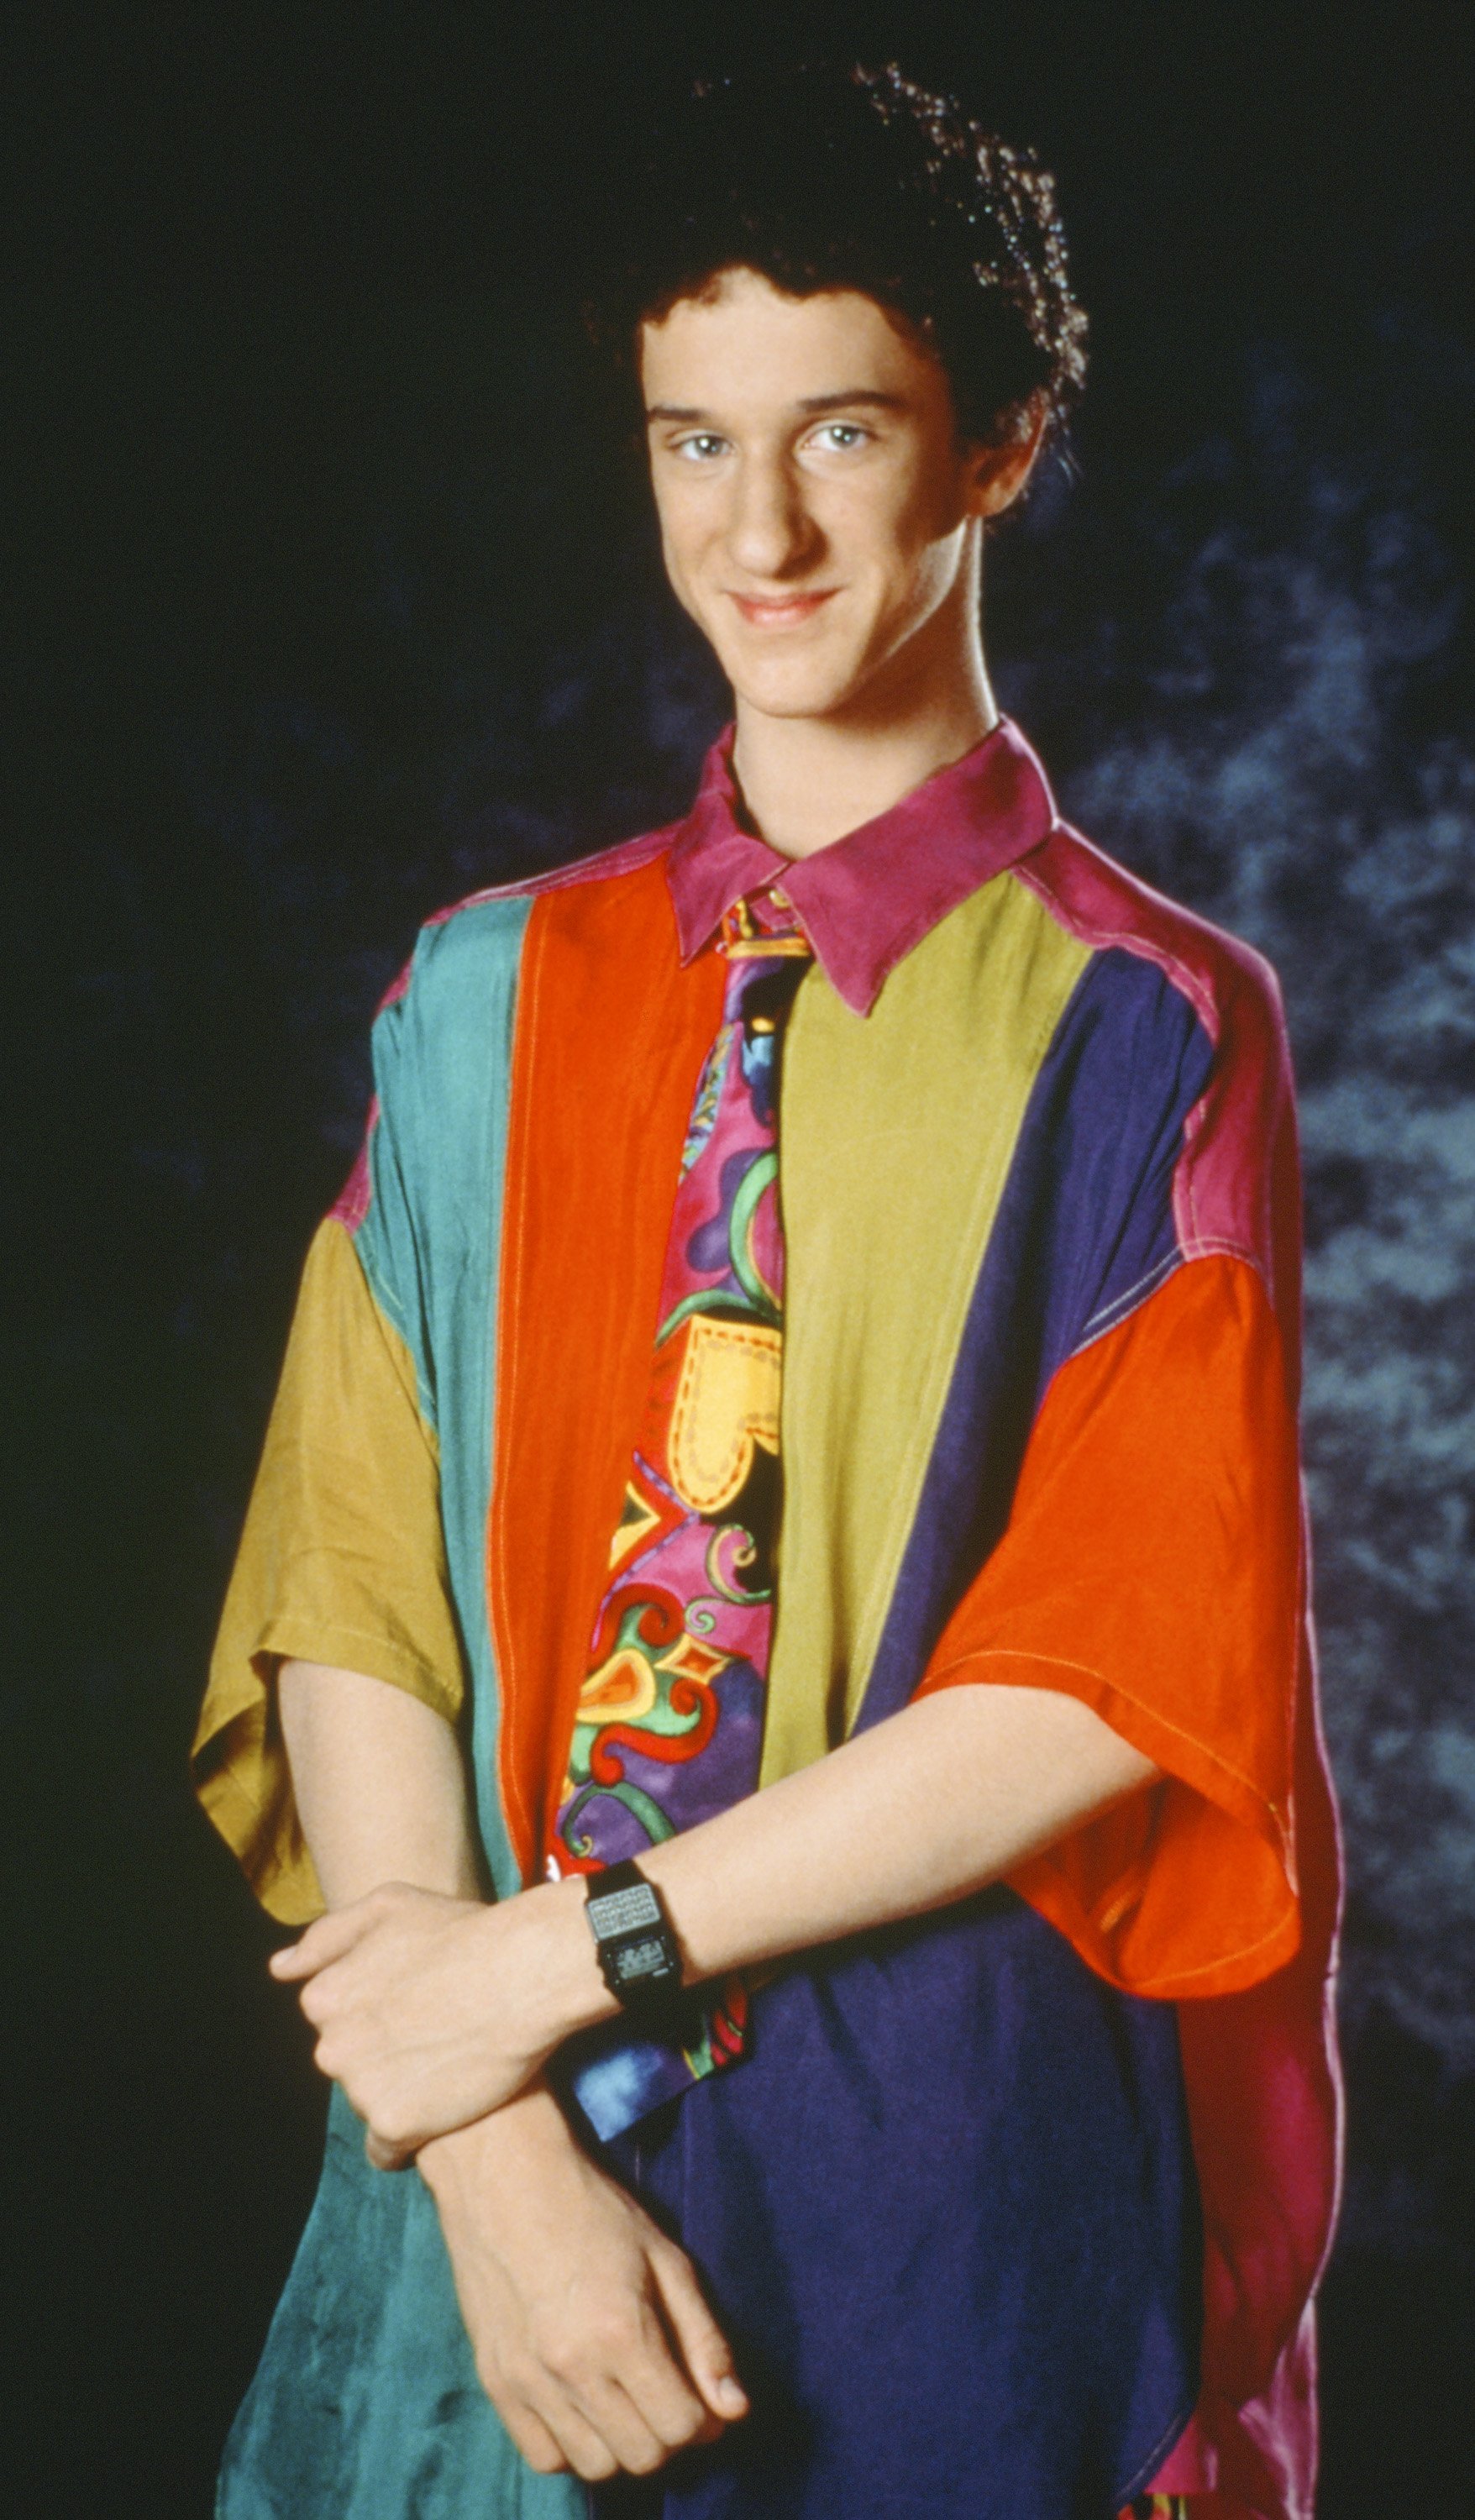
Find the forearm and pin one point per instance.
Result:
(433, 2013)
(380, 1785)
(946, 1796)
(950, 1794)
(552, 2260)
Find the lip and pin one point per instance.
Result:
(781, 612)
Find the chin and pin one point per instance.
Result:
(790, 688)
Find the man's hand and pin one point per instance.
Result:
(590, 2332)
(431, 2011)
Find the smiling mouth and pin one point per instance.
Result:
(781, 612)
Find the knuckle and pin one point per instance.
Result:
(560, 2355)
(606, 2352)
(618, 2330)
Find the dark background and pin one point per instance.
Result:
(334, 601)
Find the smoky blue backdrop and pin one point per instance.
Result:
(333, 597)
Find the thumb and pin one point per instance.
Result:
(704, 2349)
(328, 1940)
(385, 2156)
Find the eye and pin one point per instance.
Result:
(701, 447)
(840, 436)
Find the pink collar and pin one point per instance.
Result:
(867, 899)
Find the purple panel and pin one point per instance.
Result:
(946, 2211)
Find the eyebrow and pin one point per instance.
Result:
(812, 404)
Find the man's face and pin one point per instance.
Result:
(815, 504)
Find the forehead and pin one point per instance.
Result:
(747, 347)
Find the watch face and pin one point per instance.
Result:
(638, 1962)
(621, 1911)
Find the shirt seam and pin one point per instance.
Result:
(1065, 1662)
(506, 1350)
(972, 1258)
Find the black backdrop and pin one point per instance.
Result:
(334, 600)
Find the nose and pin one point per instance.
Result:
(770, 533)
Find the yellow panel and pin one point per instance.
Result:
(896, 1134)
(341, 1561)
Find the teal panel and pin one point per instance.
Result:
(431, 1249)
(366, 2405)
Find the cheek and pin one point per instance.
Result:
(906, 528)
(684, 532)
(915, 554)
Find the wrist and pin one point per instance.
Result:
(505, 2147)
(560, 1979)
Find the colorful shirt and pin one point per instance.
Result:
(1040, 1378)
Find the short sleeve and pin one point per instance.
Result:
(1153, 1566)
(341, 1561)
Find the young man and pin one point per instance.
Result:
(904, 2084)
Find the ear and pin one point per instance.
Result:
(1000, 471)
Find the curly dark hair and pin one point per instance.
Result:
(823, 177)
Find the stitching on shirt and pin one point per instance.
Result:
(1201, 997)
(1112, 1315)
(1137, 2482)
(507, 1329)
(1211, 1248)
(1086, 931)
(1063, 1662)
(1226, 1960)
(754, 1427)
(911, 1479)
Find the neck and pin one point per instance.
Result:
(808, 780)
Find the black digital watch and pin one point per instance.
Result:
(639, 1956)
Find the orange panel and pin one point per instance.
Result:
(1153, 1567)
(610, 1035)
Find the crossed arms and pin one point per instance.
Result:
(437, 2012)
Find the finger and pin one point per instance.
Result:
(657, 2383)
(704, 2349)
(534, 2439)
(326, 1941)
(618, 2420)
(583, 2450)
